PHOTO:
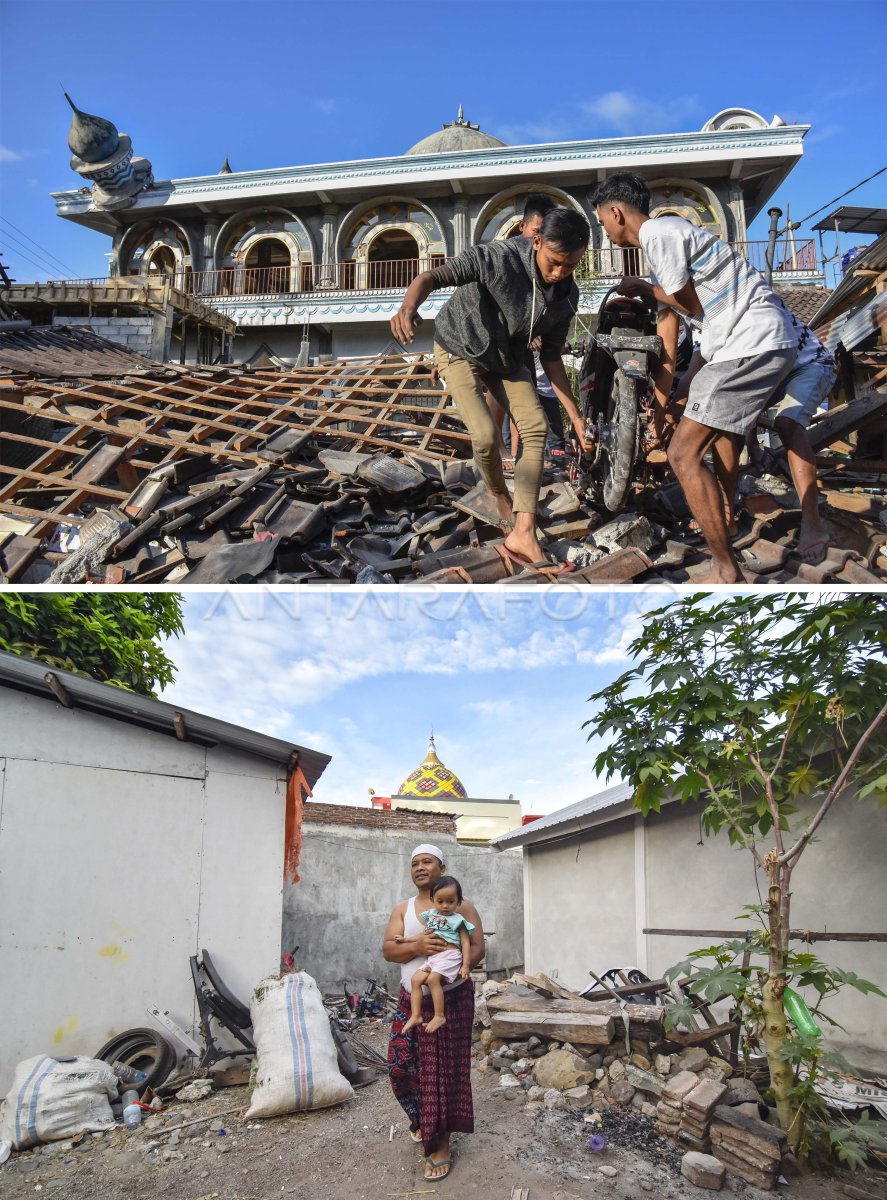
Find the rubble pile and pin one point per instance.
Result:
(361, 473)
(554, 1049)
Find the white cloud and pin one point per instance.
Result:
(629, 113)
(539, 131)
(325, 106)
(8, 156)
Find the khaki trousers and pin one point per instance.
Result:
(516, 393)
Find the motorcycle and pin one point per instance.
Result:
(615, 380)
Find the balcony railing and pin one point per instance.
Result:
(598, 267)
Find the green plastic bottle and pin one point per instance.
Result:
(800, 1014)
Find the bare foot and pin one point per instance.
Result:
(434, 1024)
(812, 547)
(412, 1023)
(526, 545)
(726, 572)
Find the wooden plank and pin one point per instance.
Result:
(511, 1001)
(698, 1037)
(585, 1029)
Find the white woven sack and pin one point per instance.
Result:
(51, 1100)
(297, 1066)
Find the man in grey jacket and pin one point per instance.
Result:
(507, 293)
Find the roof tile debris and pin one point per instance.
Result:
(360, 471)
(70, 352)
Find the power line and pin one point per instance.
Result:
(64, 266)
(21, 254)
(797, 224)
(45, 264)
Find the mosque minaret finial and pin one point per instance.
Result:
(461, 117)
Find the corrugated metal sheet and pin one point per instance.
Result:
(872, 259)
(558, 823)
(29, 675)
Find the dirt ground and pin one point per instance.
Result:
(362, 1151)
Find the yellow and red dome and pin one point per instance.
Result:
(431, 780)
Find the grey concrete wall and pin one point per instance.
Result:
(351, 878)
(122, 852)
(590, 897)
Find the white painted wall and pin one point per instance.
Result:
(123, 852)
(589, 897)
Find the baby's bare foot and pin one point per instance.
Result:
(434, 1024)
(412, 1023)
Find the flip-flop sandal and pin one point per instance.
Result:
(435, 1166)
(545, 566)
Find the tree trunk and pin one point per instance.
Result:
(775, 1028)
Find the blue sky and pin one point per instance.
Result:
(503, 677)
(286, 83)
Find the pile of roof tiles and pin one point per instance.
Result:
(360, 473)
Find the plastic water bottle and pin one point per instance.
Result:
(132, 1114)
(128, 1074)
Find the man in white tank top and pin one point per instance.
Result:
(408, 942)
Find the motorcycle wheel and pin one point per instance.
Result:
(621, 440)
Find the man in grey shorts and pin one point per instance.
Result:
(748, 348)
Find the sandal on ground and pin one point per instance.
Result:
(416, 1135)
(430, 1165)
(545, 566)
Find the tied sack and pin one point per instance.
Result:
(296, 1061)
(51, 1100)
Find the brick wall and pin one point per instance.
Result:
(370, 818)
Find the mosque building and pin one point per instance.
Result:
(432, 787)
(312, 261)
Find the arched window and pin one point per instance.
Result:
(267, 268)
(387, 245)
(268, 252)
(677, 198)
(157, 250)
(502, 215)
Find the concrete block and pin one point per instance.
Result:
(704, 1098)
(704, 1170)
(678, 1087)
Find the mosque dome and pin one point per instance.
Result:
(431, 780)
(92, 139)
(461, 135)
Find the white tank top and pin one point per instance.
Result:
(411, 926)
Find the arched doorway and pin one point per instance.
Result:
(162, 261)
(392, 259)
(267, 268)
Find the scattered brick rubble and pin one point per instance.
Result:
(360, 473)
(554, 1049)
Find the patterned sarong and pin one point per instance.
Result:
(431, 1072)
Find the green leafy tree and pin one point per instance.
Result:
(113, 637)
(769, 709)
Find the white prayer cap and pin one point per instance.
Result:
(427, 848)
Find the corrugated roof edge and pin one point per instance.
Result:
(614, 802)
(874, 257)
(29, 675)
